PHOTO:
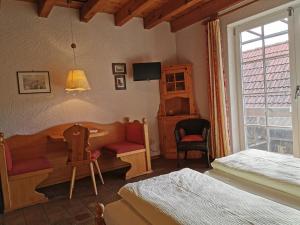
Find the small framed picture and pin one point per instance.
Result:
(120, 82)
(32, 82)
(119, 68)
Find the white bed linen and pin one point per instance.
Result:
(278, 171)
(257, 189)
(188, 197)
(120, 213)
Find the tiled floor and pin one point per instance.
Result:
(81, 209)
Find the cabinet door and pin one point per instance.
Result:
(174, 81)
(170, 142)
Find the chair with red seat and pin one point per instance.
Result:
(19, 178)
(77, 138)
(192, 135)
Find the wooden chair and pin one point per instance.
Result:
(77, 138)
(192, 135)
(19, 178)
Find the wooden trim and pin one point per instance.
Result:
(200, 13)
(147, 144)
(131, 9)
(155, 157)
(90, 8)
(99, 220)
(170, 9)
(4, 176)
(45, 7)
(30, 174)
(131, 152)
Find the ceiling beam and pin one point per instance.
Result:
(90, 8)
(168, 10)
(131, 9)
(45, 7)
(200, 13)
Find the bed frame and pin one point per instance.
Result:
(99, 220)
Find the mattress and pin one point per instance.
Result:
(189, 197)
(257, 189)
(278, 171)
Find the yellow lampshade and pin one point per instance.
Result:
(77, 81)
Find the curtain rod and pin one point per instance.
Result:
(216, 16)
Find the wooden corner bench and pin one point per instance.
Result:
(20, 178)
(133, 147)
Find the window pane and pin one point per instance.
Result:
(278, 39)
(280, 115)
(275, 27)
(257, 137)
(248, 36)
(252, 46)
(281, 140)
(266, 87)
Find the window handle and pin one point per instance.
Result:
(297, 93)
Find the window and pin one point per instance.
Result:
(266, 87)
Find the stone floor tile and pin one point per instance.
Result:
(14, 218)
(35, 215)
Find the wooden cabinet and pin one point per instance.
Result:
(176, 103)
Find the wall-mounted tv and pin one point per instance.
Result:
(146, 71)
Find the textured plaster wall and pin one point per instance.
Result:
(28, 42)
(191, 44)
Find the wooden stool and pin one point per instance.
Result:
(77, 138)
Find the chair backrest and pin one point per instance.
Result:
(192, 126)
(135, 132)
(77, 138)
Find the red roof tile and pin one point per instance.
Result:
(277, 70)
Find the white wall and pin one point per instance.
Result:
(28, 42)
(191, 44)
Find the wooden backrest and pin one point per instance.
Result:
(4, 175)
(38, 145)
(77, 138)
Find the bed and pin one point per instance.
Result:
(277, 171)
(189, 197)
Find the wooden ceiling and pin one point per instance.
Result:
(179, 13)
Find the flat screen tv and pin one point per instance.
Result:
(146, 71)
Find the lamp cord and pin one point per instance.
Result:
(73, 45)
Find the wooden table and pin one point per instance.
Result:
(94, 133)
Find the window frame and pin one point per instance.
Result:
(239, 111)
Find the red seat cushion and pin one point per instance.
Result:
(29, 165)
(122, 147)
(95, 154)
(8, 157)
(192, 137)
(135, 133)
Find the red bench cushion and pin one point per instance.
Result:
(29, 165)
(8, 157)
(135, 133)
(122, 147)
(193, 137)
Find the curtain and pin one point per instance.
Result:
(220, 142)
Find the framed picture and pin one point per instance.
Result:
(120, 82)
(119, 68)
(32, 82)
